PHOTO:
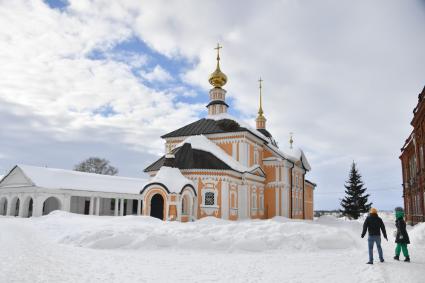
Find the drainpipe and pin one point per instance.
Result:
(290, 192)
(304, 194)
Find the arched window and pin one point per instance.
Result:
(256, 154)
(185, 205)
(254, 201)
(261, 201)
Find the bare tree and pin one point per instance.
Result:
(96, 165)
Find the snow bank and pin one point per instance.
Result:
(417, 235)
(141, 232)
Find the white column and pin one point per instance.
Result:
(122, 207)
(195, 208)
(91, 206)
(128, 210)
(9, 207)
(97, 205)
(167, 208)
(179, 207)
(21, 211)
(66, 203)
(139, 206)
(116, 207)
(225, 200)
(37, 206)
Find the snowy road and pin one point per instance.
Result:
(75, 249)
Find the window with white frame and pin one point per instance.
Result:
(254, 201)
(209, 195)
(233, 200)
(296, 202)
(261, 201)
(256, 154)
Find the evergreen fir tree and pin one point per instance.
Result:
(355, 201)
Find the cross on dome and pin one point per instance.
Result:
(218, 78)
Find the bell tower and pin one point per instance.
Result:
(217, 79)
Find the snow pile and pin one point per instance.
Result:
(172, 178)
(417, 235)
(141, 232)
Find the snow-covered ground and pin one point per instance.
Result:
(64, 247)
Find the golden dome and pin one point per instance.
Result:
(218, 78)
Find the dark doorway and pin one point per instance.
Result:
(157, 206)
(134, 207)
(30, 208)
(86, 207)
(125, 207)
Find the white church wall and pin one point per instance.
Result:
(242, 201)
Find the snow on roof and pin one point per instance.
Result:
(298, 154)
(52, 178)
(222, 116)
(203, 143)
(294, 154)
(172, 178)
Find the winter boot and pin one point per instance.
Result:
(407, 259)
(369, 262)
(397, 257)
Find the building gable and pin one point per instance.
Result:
(16, 177)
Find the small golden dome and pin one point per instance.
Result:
(218, 78)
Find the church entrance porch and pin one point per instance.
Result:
(157, 206)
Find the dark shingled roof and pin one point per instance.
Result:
(209, 126)
(188, 158)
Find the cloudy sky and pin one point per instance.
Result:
(107, 78)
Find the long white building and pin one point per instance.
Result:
(34, 191)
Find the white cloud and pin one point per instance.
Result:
(344, 76)
(158, 74)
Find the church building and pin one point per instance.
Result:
(219, 166)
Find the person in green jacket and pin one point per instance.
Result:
(401, 237)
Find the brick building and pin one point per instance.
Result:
(413, 165)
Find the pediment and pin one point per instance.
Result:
(15, 177)
(258, 171)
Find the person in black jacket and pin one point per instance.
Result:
(374, 225)
(401, 237)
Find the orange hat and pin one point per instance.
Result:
(373, 210)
